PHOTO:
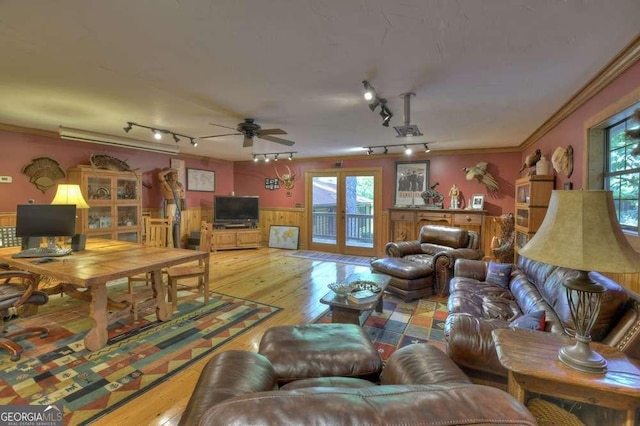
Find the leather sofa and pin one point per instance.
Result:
(424, 266)
(419, 385)
(476, 307)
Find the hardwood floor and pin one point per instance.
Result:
(265, 275)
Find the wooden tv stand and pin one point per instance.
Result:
(234, 237)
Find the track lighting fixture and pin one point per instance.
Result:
(275, 155)
(385, 113)
(374, 100)
(406, 148)
(369, 92)
(157, 133)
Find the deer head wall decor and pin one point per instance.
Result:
(287, 179)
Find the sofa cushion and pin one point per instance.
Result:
(442, 405)
(500, 308)
(499, 273)
(328, 382)
(531, 321)
(320, 350)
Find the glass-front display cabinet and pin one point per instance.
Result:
(115, 205)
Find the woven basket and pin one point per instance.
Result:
(549, 414)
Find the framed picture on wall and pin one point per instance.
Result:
(201, 180)
(411, 179)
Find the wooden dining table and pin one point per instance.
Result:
(107, 260)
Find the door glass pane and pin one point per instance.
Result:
(324, 205)
(359, 211)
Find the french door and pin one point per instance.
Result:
(343, 210)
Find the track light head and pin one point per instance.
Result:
(369, 91)
(175, 138)
(426, 148)
(128, 127)
(156, 134)
(369, 151)
(275, 157)
(255, 158)
(385, 113)
(408, 150)
(374, 104)
(386, 150)
(194, 142)
(291, 156)
(266, 159)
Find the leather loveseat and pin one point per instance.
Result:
(476, 307)
(424, 266)
(419, 385)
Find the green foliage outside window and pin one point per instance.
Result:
(622, 176)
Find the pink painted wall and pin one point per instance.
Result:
(20, 149)
(445, 169)
(571, 130)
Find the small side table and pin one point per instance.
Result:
(532, 360)
(344, 311)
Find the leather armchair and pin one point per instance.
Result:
(432, 255)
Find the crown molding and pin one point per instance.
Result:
(620, 63)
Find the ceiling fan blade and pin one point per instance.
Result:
(217, 136)
(276, 140)
(271, 132)
(220, 125)
(248, 141)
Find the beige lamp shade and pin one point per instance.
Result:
(70, 194)
(581, 231)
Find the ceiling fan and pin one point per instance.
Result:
(249, 129)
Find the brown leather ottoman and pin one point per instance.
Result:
(320, 350)
(410, 280)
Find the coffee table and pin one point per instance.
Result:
(344, 311)
(532, 360)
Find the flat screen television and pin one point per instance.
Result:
(46, 220)
(228, 209)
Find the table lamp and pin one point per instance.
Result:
(71, 194)
(581, 231)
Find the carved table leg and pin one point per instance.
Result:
(97, 336)
(162, 312)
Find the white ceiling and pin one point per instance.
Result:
(485, 73)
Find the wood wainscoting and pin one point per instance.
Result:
(191, 219)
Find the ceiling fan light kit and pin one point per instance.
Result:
(249, 129)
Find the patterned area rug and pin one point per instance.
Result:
(139, 355)
(401, 323)
(331, 257)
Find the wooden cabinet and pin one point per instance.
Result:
(532, 200)
(405, 224)
(115, 202)
(227, 239)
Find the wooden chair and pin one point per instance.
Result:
(199, 271)
(157, 233)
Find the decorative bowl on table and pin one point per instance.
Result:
(340, 289)
(364, 285)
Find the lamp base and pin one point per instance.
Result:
(581, 357)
